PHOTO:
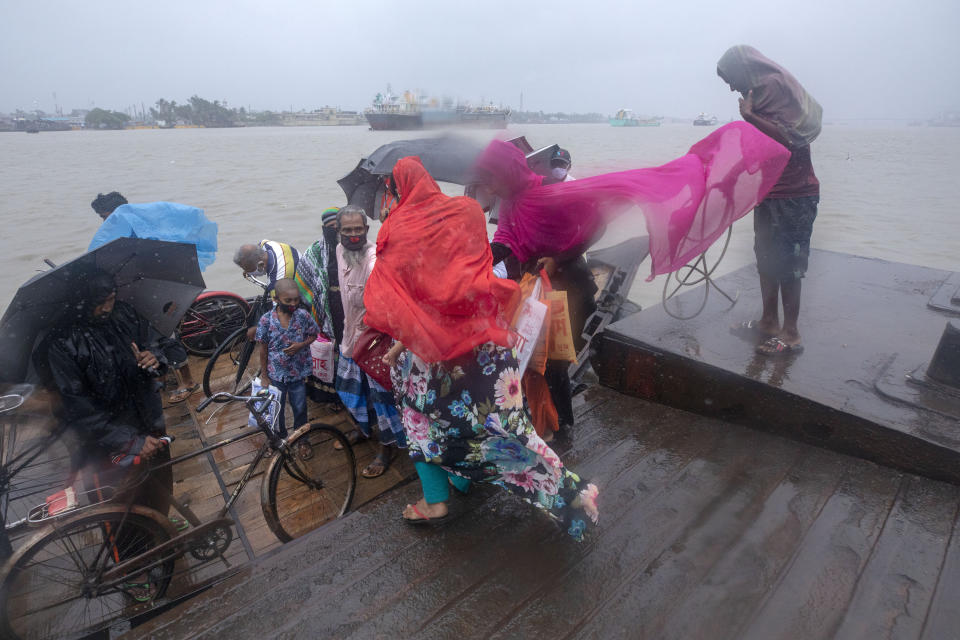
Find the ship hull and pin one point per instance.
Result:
(633, 122)
(435, 120)
(394, 121)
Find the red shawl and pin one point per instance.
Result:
(433, 286)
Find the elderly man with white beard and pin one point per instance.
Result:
(360, 393)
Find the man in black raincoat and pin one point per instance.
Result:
(105, 364)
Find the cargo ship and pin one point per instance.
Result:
(390, 112)
(626, 118)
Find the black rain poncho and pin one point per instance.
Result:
(110, 402)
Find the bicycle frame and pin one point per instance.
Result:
(172, 548)
(258, 306)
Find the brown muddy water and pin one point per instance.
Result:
(886, 192)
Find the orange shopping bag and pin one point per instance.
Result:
(560, 335)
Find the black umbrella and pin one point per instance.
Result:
(447, 158)
(159, 279)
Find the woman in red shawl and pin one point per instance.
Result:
(775, 103)
(458, 382)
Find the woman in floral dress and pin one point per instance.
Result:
(466, 421)
(458, 381)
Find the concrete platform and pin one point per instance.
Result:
(868, 325)
(707, 531)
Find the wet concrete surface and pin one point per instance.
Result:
(707, 530)
(866, 326)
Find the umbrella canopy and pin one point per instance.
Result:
(446, 158)
(159, 279)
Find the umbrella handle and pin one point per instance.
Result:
(50, 263)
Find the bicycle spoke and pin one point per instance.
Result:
(53, 591)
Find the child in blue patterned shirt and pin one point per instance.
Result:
(285, 335)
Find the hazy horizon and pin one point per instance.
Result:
(877, 60)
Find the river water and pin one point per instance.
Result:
(886, 192)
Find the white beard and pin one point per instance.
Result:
(354, 259)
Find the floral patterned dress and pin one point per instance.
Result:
(468, 416)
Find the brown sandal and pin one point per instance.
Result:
(381, 462)
(353, 437)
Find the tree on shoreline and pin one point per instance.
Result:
(198, 111)
(103, 119)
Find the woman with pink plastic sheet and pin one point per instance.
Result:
(687, 203)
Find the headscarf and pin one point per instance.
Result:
(313, 281)
(777, 95)
(687, 203)
(313, 275)
(329, 214)
(433, 286)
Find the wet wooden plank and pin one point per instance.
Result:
(738, 582)
(812, 596)
(648, 532)
(943, 616)
(655, 592)
(637, 499)
(895, 589)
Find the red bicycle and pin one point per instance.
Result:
(212, 318)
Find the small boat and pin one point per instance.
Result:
(626, 118)
(703, 120)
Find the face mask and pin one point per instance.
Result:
(558, 173)
(354, 243)
(287, 308)
(259, 272)
(330, 235)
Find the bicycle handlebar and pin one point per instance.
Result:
(223, 396)
(252, 278)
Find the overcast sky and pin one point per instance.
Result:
(860, 59)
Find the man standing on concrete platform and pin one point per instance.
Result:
(775, 103)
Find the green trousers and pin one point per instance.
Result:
(434, 480)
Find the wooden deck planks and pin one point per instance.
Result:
(707, 531)
(895, 589)
(811, 598)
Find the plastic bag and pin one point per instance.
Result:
(321, 350)
(271, 408)
(529, 321)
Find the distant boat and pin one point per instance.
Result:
(703, 120)
(32, 130)
(946, 119)
(392, 113)
(626, 118)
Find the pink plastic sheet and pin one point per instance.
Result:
(687, 203)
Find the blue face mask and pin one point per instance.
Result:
(558, 173)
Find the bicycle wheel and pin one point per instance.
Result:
(227, 368)
(210, 320)
(311, 485)
(52, 589)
